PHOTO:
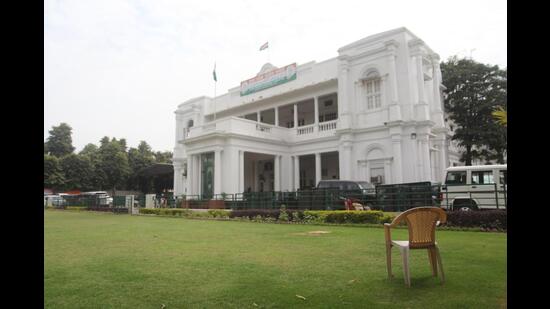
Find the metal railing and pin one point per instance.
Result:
(396, 197)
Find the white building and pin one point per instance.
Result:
(372, 113)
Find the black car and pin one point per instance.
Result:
(360, 191)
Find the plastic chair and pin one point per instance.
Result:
(421, 222)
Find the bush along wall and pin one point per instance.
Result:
(486, 220)
(456, 220)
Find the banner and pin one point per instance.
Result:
(269, 79)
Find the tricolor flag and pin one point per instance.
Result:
(214, 73)
(264, 46)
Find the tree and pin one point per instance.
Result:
(163, 157)
(78, 171)
(474, 90)
(98, 177)
(113, 163)
(53, 175)
(140, 158)
(59, 143)
(501, 116)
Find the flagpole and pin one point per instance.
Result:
(215, 82)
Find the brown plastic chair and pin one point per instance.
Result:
(421, 222)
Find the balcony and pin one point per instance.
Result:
(249, 128)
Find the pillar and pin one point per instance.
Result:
(296, 172)
(217, 171)
(397, 159)
(277, 173)
(241, 171)
(345, 160)
(424, 158)
(395, 109)
(295, 115)
(276, 116)
(316, 113)
(190, 173)
(317, 168)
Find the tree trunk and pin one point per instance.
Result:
(468, 157)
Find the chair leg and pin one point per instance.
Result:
(406, 272)
(436, 249)
(388, 261)
(433, 261)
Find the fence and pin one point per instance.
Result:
(398, 197)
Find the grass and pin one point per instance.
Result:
(101, 260)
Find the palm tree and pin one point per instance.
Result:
(500, 115)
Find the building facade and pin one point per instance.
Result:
(373, 113)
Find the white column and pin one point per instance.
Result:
(277, 173)
(217, 171)
(241, 171)
(296, 172)
(258, 119)
(443, 158)
(420, 80)
(397, 159)
(316, 113)
(276, 116)
(197, 174)
(438, 108)
(295, 115)
(425, 158)
(345, 160)
(317, 168)
(344, 117)
(395, 109)
(177, 179)
(190, 174)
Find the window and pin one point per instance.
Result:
(377, 175)
(456, 178)
(482, 177)
(372, 87)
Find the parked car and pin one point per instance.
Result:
(360, 191)
(476, 187)
(403, 196)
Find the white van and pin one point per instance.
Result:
(475, 187)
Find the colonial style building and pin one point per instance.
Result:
(373, 113)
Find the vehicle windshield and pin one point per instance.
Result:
(365, 185)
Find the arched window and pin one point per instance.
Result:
(372, 84)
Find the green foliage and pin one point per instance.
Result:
(113, 163)
(473, 92)
(78, 171)
(53, 174)
(283, 215)
(218, 213)
(345, 216)
(60, 142)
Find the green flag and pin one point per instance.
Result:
(214, 73)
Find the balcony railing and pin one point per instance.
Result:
(247, 127)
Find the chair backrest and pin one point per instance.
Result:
(421, 222)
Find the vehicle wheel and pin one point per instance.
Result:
(464, 205)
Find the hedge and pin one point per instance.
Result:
(486, 219)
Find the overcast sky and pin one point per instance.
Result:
(119, 68)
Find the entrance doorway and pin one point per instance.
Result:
(259, 174)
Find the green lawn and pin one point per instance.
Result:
(100, 260)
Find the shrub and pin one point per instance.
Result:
(271, 213)
(297, 216)
(345, 216)
(74, 208)
(486, 219)
(217, 213)
(283, 215)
